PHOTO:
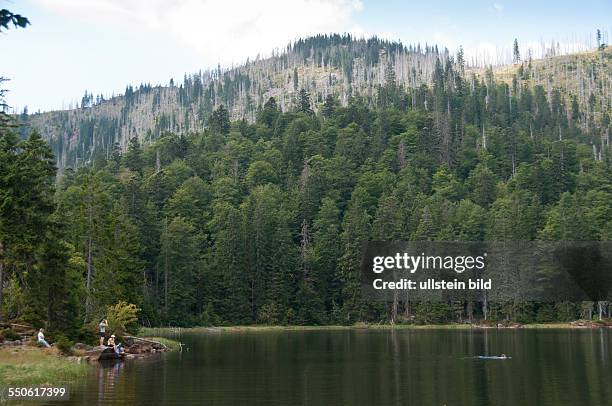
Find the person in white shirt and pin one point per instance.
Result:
(41, 338)
(102, 329)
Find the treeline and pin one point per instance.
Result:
(338, 65)
(263, 223)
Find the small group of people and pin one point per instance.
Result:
(117, 347)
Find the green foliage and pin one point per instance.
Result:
(304, 102)
(8, 18)
(179, 265)
(243, 223)
(220, 121)
(209, 317)
(14, 303)
(432, 312)
(122, 318)
(34, 366)
(64, 344)
(9, 334)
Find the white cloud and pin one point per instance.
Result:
(498, 7)
(225, 31)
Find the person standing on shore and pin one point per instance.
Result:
(102, 327)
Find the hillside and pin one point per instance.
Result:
(324, 65)
(581, 75)
(262, 221)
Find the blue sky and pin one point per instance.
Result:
(103, 45)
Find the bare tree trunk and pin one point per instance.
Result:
(485, 306)
(407, 310)
(394, 307)
(469, 310)
(166, 286)
(600, 309)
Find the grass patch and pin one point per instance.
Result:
(162, 331)
(37, 366)
(172, 344)
(256, 328)
(547, 325)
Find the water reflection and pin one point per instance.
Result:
(108, 374)
(365, 367)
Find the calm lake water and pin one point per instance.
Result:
(365, 367)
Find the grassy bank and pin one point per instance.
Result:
(37, 366)
(165, 330)
(146, 331)
(172, 344)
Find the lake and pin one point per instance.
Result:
(364, 367)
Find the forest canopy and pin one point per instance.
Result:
(262, 222)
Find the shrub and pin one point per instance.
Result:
(87, 334)
(10, 335)
(123, 318)
(64, 344)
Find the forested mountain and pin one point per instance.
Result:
(232, 221)
(340, 66)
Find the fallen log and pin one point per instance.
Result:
(16, 326)
(145, 340)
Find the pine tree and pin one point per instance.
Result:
(220, 121)
(133, 156)
(232, 300)
(54, 285)
(35, 165)
(8, 209)
(516, 55)
(269, 113)
(326, 251)
(304, 104)
(118, 266)
(482, 184)
(329, 106)
(598, 37)
(356, 229)
(179, 264)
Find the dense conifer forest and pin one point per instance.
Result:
(261, 219)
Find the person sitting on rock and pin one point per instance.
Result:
(41, 339)
(117, 347)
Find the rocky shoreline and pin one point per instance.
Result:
(134, 347)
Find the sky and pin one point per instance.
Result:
(103, 45)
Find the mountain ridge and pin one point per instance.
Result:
(335, 65)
